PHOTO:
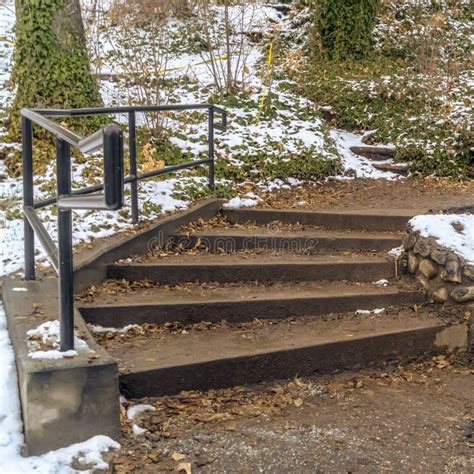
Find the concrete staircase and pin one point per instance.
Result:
(278, 293)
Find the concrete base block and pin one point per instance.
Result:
(63, 401)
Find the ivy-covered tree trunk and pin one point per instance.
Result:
(51, 64)
(344, 28)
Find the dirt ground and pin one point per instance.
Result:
(413, 418)
(410, 193)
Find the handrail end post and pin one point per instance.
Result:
(132, 148)
(211, 151)
(27, 161)
(65, 258)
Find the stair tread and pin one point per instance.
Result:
(142, 352)
(209, 293)
(263, 231)
(335, 211)
(252, 258)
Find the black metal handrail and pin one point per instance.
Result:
(108, 195)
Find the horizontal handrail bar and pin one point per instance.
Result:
(128, 179)
(88, 201)
(54, 199)
(124, 109)
(88, 144)
(170, 169)
(67, 135)
(92, 143)
(43, 236)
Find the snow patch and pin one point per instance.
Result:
(97, 329)
(453, 231)
(370, 311)
(134, 411)
(396, 252)
(248, 200)
(137, 431)
(48, 334)
(52, 354)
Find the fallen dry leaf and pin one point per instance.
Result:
(178, 456)
(298, 402)
(184, 466)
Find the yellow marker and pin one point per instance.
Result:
(265, 89)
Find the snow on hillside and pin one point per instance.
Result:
(295, 127)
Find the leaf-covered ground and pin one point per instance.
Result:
(412, 418)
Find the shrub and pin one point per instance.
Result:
(343, 28)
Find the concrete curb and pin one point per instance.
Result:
(63, 401)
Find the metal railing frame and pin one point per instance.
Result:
(109, 195)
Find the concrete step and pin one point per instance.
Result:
(227, 356)
(244, 239)
(376, 153)
(255, 267)
(239, 302)
(400, 168)
(378, 220)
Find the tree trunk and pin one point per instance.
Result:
(51, 64)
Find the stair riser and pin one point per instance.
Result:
(335, 221)
(238, 243)
(173, 274)
(303, 361)
(242, 310)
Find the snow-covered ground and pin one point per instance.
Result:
(453, 231)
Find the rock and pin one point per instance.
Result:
(423, 281)
(469, 271)
(413, 262)
(409, 241)
(452, 271)
(423, 247)
(440, 255)
(457, 226)
(440, 295)
(428, 268)
(463, 294)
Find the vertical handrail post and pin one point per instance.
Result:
(211, 147)
(27, 158)
(66, 285)
(132, 148)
